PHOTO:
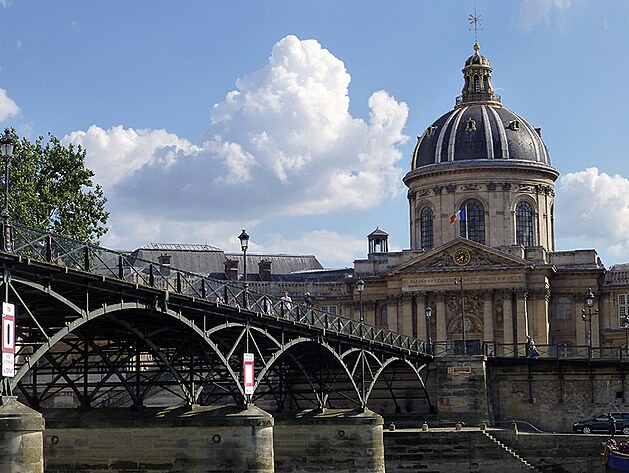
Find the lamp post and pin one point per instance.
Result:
(587, 316)
(428, 314)
(7, 144)
(460, 282)
(244, 244)
(360, 287)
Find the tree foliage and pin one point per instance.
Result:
(50, 188)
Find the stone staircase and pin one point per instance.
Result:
(526, 465)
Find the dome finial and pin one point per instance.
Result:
(476, 46)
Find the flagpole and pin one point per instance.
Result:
(466, 228)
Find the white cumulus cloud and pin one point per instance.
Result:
(8, 108)
(283, 143)
(593, 207)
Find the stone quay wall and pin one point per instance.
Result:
(552, 395)
(469, 450)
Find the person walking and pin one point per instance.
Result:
(287, 302)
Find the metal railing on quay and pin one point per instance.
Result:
(63, 251)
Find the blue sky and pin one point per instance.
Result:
(296, 120)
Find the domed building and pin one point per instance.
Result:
(482, 272)
(486, 161)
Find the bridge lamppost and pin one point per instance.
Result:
(587, 316)
(428, 314)
(244, 244)
(7, 144)
(360, 287)
(460, 282)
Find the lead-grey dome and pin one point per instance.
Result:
(479, 127)
(479, 132)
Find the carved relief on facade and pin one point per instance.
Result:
(450, 188)
(506, 186)
(491, 186)
(437, 190)
(476, 258)
(499, 314)
(423, 193)
(471, 187)
(525, 188)
(472, 313)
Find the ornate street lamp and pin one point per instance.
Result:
(7, 143)
(360, 287)
(460, 282)
(428, 314)
(244, 244)
(587, 316)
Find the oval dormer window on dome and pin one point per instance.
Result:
(470, 125)
(515, 125)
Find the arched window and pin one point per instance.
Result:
(473, 227)
(476, 84)
(523, 224)
(427, 238)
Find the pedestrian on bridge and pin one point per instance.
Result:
(287, 302)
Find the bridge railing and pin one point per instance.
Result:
(56, 249)
(555, 352)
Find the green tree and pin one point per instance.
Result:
(50, 188)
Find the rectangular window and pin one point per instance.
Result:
(623, 309)
(330, 309)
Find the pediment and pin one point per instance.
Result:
(461, 253)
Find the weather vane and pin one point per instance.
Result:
(476, 21)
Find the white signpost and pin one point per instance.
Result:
(249, 375)
(8, 340)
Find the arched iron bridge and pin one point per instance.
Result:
(100, 328)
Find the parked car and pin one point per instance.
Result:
(602, 423)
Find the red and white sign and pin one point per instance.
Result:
(8, 340)
(249, 375)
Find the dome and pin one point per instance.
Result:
(479, 128)
(477, 132)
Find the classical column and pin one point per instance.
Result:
(407, 313)
(393, 312)
(440, 317)
(422, 332)
(488, 316)
(582, 329)
(539, 327)
(522, 318)
(507, 317)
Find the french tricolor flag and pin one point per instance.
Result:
(458, 215)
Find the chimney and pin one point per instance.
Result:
(231, 269)
(264, 270)
(164, 264)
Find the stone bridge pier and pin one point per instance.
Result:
(190, 440)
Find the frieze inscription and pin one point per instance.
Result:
(417, 284)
